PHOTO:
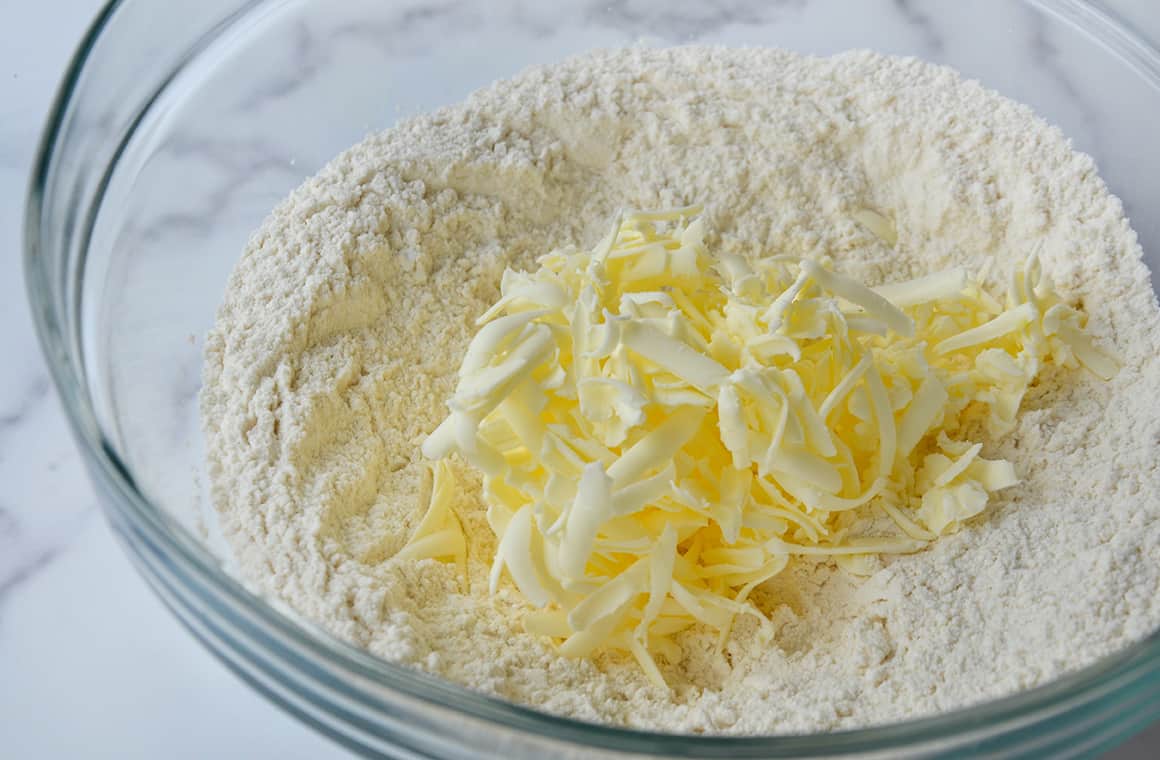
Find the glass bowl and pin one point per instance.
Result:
(176, 131)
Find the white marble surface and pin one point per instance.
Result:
(91, 664)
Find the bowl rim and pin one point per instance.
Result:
(58, 332)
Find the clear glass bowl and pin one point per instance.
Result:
(176, 131)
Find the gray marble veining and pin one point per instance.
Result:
(1046, 56)
(687, 21)
(306, 56)
(918, 18)
(221, 167)
(29, 563)
(17, 410)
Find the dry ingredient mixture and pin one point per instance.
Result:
(347, 319)
(661, 430)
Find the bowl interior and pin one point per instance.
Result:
(283, 86)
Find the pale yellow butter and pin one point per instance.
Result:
(661, 429)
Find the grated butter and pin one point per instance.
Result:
(661, 429)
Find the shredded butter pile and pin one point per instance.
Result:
(661, 428)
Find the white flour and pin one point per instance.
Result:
(345, 320)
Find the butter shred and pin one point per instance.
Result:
(661, 429)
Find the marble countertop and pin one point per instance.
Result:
(91, 664)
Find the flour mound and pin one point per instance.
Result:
(347, 317)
